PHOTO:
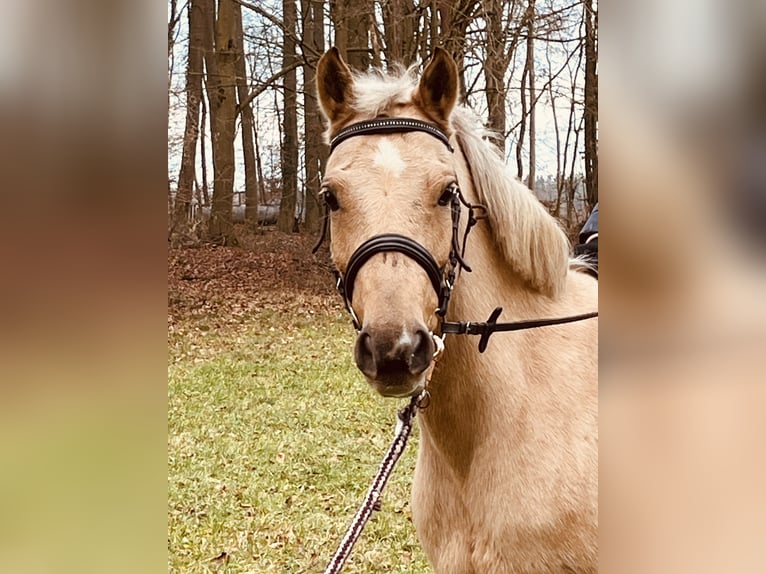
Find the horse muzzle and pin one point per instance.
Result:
(394, 360)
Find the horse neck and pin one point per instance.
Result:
(469, 391)
(483, 398)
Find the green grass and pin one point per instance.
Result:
(273, 439)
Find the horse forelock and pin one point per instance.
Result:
(377, 93)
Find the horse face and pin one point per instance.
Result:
(380, 187)
(383, 184)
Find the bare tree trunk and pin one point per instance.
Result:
(531, 83)
(400, 21)
(573, 128)
(351, 19)
(313, 18)
(223, 106)
(338, 18)
(557, 206)
(259, 168)
(528, 21)
(246, 114)
(567, 140)
(203, 152)
(211, 67)
(572, 182)
(424, 31)
(287, 221)
(433, 36)
(183, 199)
(591, 102)
(494, 70)
(522, 123)
(172, 23)
(455, 16)
(376, 39)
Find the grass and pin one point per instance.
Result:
(273, 439)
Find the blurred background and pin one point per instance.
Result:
(83, 166)
(82, 296)
(683, 314)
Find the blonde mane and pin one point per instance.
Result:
(530, 239)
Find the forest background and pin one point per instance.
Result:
(244, 130)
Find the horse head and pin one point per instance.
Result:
(395, 184)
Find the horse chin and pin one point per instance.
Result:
(398, 388)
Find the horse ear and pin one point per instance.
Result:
(437, 92)
(335, 85)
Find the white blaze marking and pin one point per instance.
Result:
(387, 157)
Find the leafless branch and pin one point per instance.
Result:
(267, 83)
(277, 22)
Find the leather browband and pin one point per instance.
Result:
(389, 126)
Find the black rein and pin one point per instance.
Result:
(490, 326)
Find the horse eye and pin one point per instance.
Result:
(447, 195)
(329, 199)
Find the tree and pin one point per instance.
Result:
(454, 16)
(287, 221)
(530, 65)
(221, 79)
(245, 110)
(315, 151)
(495, 67)
(173, 20)
(186, 178)
(352, 20)
(501, 48)
(529, 70)
(400, 25)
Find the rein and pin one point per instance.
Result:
(404, 422)
(490, 326)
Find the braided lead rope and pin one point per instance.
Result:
(372, 499)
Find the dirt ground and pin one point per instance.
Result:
(268, 270)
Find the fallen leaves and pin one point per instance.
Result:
(275, 271)
(273, 435)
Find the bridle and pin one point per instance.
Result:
(442, 278)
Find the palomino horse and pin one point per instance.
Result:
(506, 475)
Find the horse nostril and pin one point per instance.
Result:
(422, 353)
(367, 343)
(364, 354)
(393, 353)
